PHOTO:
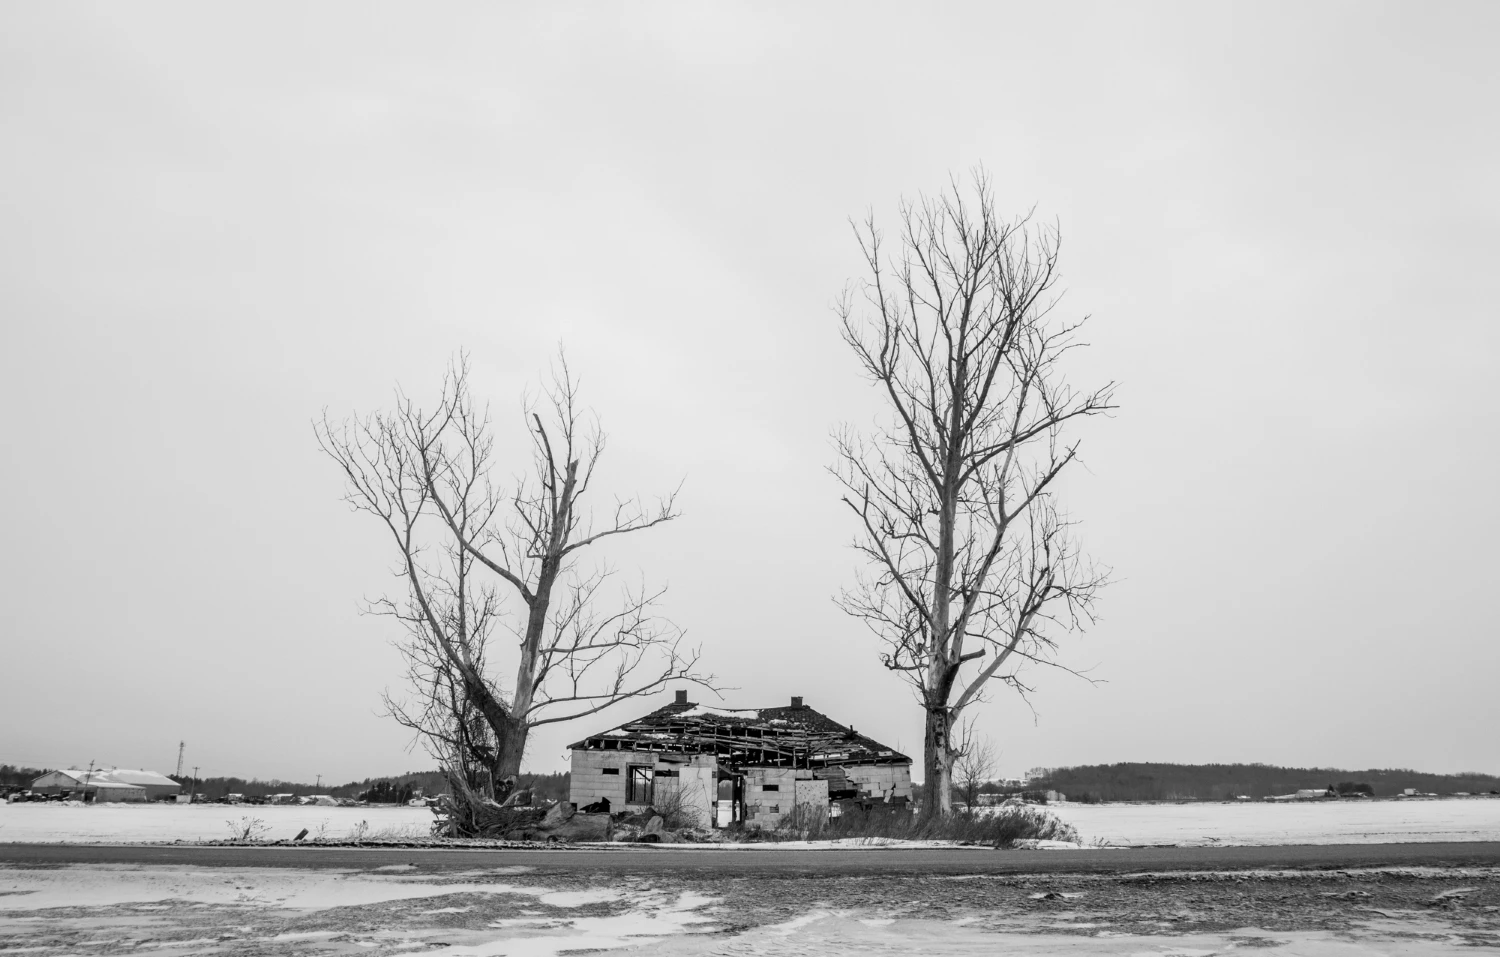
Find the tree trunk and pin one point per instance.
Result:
(512, 748)
(937, 762)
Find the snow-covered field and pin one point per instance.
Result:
(1344, 822)
(201, 822)
(1331, 822)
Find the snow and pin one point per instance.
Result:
(1320, 822)
(124, 823)
(104, 885)
(679, 922)
(651, 918)
(834, 932)
(703, 711)
(647, 915)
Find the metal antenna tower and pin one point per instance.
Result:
(181, 747)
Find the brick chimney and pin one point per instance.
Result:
(682, 696)
(797, 701)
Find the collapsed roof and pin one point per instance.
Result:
(795, 736)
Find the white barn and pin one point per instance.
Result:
(107, 785)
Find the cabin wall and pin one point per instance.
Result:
(696, 786)
(814, 793)
(588, 780)
(695, 776)
(770, 794)
(880, 781)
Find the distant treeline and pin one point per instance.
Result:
(1132, 781)
(15, 776)
(551, 787)
(547, 786)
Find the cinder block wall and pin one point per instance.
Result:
(878, 780)
(697, 785)
(587, 781)
(812, 792)
(766, 808)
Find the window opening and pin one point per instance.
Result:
(638, 790)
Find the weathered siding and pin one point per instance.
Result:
(117, 793)
(53, 782)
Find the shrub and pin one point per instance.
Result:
(247, 829)
(670, 801)
(1000, 827)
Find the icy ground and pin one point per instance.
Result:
(1343, 822)
(175, 911)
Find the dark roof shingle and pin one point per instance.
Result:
(793, 736)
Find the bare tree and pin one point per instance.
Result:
(971, 571)
(465, 545)
(974, 762)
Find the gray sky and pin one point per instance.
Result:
(1284, 220)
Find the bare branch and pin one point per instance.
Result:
(969, 571)
(460, 536)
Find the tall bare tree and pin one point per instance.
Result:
(475, 557)
(971, 571)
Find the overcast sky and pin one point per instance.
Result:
(1284, 220)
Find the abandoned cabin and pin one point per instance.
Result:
(725, 765)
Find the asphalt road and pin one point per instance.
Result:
(648, 859)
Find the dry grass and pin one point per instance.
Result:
(1002, 827)
(671, 802)
(247, 830)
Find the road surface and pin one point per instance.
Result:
(646, 859)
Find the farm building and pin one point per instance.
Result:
(115, 784)
(723, 765)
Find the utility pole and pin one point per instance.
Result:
(181, 747)
(86, 777)
(319, 785)
(194, 789)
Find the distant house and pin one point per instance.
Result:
(107, 785)
(1305, 794)
(724, 765)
